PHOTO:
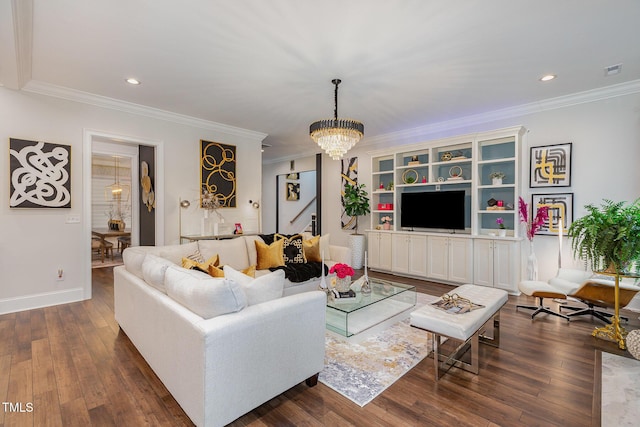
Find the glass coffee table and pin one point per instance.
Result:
(386, 300)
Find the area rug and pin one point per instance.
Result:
(620, 390)
(361, 371)
(108, 262)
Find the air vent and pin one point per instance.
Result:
(612, 70)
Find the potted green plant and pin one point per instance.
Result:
(497, 177)
(608, 237)
(356, 203)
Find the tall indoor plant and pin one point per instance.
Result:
(356, 203)
(608, 236)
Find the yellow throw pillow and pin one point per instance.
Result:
(219, 272)
(311, 249)
(203, 266)
(269, 255)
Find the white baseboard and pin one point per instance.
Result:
(30, 302)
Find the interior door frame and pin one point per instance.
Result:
(93, 138)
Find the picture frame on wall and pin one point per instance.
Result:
(560, 207)
(218, 172)
(293, 191)
(550, 166)
(39, 174)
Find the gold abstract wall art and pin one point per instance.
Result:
(218, 171)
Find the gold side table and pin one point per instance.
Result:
(614, 331)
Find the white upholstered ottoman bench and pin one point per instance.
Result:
(468, 328)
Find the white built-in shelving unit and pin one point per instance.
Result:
(473, 255)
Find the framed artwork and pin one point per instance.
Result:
(218, 171)
(560, 212)
(550, 166)
(348, 175)
(293, 191)
(238, 229)
(39, 174)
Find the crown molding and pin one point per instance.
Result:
(593, 95)
(61, 92)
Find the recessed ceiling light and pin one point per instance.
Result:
(133, 81)
(547, 77)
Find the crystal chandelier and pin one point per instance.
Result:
(336, 136)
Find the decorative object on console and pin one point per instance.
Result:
(343, 273)
(531, 228)
(40, 174)
(633, 343)
(218, 172)
(366, 284)
(550, 166)
(455, 173)
(334, 136)
(386, 224)
(410, 176)
(502, 230)
(497, 177)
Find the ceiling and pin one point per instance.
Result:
(267, 66)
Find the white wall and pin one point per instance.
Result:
(606, 152)
(34, 243)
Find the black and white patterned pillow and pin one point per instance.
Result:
(293, 251)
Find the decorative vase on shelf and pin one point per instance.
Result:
(343, 284)
(386, 226)
(532, 263)
(496, 181)
(502, 232)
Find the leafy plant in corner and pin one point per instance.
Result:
(608, 237)
(356, 201)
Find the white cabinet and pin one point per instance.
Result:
(450, 259)
(379, 250)
(409, 254)
(496, 263)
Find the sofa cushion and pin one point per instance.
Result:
(324, 244)
(258, 290)
(175, 253)
(269, 255)
(219, 272)
(232, 252)
(203, 266)
(153, 271)
(292, 250)
(204, 295)
(311, 249)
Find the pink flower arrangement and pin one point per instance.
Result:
(342, 270)
(541, 217)
(500, 222)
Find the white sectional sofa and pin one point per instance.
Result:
(219, 356)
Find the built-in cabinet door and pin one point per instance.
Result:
(438, 261)
(417, 255)
(495, 263)
(505, 267)
(461, 260)
(400, 262)
(483, 262)
(379, 250)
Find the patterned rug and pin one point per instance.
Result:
(361, 371)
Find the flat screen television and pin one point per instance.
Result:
(436, 209)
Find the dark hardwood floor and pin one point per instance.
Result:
(74, 366)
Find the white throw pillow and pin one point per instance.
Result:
(204, 295)
(153, 270)
(261, 289)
